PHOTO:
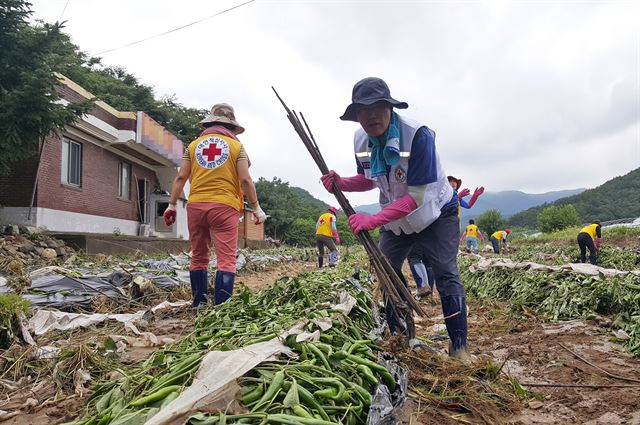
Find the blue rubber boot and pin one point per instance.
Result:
(199, 286)
(223, 286)
(454, 309)
(320, 261)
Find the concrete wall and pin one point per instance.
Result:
(118, 245)
(66, 221)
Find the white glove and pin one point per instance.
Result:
(259, 215)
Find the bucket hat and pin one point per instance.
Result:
(366, 92)
(223, 113)
(458, 181)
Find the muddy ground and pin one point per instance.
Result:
(535, 352)
(527, 349)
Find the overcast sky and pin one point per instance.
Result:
(532, 96)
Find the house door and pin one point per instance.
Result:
(144, 191)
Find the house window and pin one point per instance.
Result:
(124, 180)
(71, 162)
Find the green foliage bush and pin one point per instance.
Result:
(490, 221)
(555, 218)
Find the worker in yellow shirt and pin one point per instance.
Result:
(471, 234)
(499, 239)
(590, 237)
(326, 231)
(217, 167)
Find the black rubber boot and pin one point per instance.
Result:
(223, 286)
(454, 309)
(320, 261)
(199, 286)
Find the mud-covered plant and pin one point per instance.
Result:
(10, 306)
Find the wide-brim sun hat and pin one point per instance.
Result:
(334, 210)
(223, 113)
(458, 181)
(366, 92)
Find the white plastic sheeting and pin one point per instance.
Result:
(44, 321)
(215, 382)
(581, 268)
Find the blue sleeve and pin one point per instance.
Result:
(423, 167)
(464, 204)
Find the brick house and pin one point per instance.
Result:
(108, 172)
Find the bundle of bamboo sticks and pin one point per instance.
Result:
(395, 291)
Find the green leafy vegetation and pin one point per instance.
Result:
(490, 221)
(332, 379)
(562, 295)
(294, 213)
(29, 104)
(11, 305)
(553, 218)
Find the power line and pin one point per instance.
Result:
(174, 29)
(63, 10)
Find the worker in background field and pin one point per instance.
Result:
(499, 239)
(471, 234)
(217, 166)
(398, 156)
(326, 231)
(590, 237)
(420, 269)
(455, 185)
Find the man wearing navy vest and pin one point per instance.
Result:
(398, 156)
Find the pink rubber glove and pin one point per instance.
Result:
(359, 222)
(357, 183)
(464, 192)
(336, 237)
(598, 244)
(476, 194)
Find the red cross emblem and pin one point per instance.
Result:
(211, 152)
(322, 221)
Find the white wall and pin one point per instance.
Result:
(65, 221)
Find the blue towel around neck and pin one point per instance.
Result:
(385, 149)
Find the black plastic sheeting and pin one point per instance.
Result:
(385, 406)
(71, 293)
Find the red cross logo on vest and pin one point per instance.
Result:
(212, 152)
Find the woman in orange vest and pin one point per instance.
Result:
(217, 167)
(590, 237)
(326, 230)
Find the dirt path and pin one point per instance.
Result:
(535, 352)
